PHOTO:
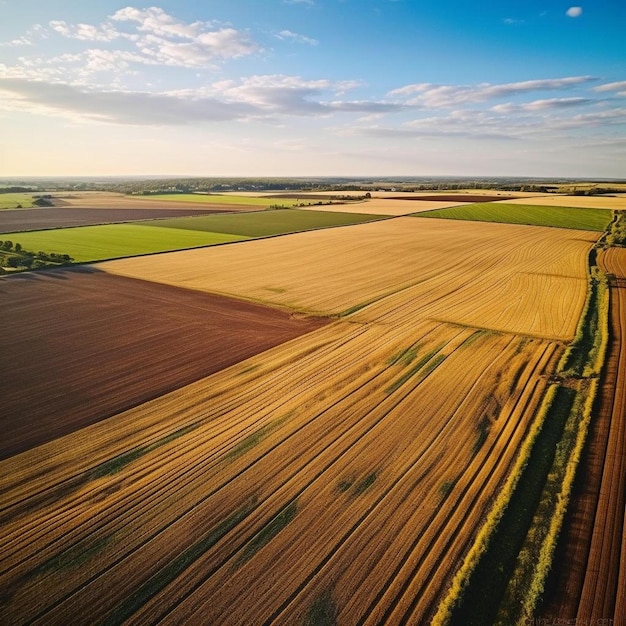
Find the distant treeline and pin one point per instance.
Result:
(16, 189)
(156, 185)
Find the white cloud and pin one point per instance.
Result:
(256, 97)
(136, 108)
(619, 87)
(306, 2)
(156, 21)
(574, 12)
(512, 20)
(287, 35)
(28, 39)
(85, 32)
(435, 96)
(547, 104)
(162, 39)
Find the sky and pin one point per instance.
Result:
(313, 88)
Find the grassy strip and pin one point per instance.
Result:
(616, 232)
(268, 532)
(175, 567)
(585, 355)
(97, 243)
(264, 223)
(531, 215)
(484, 540)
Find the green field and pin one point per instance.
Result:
(96, 243)
(12, 200)
(218, 199)
(265, 223)
(560, 217)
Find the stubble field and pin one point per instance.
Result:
(338, 477)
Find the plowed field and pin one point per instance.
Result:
(65, 329)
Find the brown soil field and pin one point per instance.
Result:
(536, 277)
(590, 573)
(81, 345)
(57, 217)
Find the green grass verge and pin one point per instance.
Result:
(197, 198)
(585, 355)
(534, 561)
(481, 597)
(265, 223)
(12, 200)
(97, 243)
(559, 217)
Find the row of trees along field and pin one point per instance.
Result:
(13, 256)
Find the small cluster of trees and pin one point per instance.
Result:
(616, 232)
(15, 257)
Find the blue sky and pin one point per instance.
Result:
(313, 87)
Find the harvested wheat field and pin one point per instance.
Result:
(333, 473)
(85, 345)
(535, 277)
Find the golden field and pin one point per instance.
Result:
(488, 275)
